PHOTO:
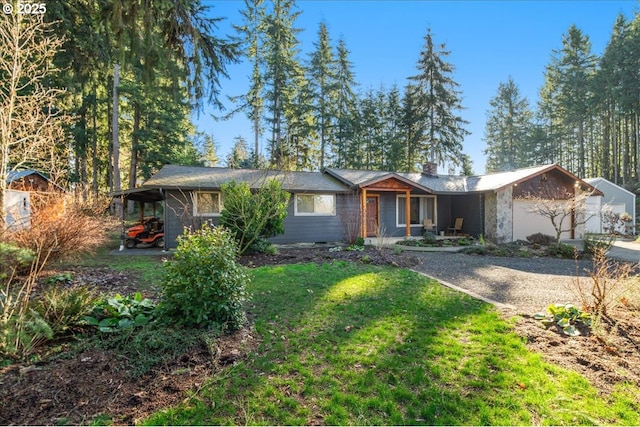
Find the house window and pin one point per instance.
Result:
(206, 204)
(420, 208)
(315, 204)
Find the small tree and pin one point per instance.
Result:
(565, 210)
(31, 119)
(254, 216)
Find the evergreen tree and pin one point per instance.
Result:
(322, 72)
(507, 129)
(282, 71)
(438, 94)
(345, 107)
(252, 33)
(414, 128)
(567, 96)
(239, 155)
(208, 148)
(393, 138)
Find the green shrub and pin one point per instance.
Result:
(204, 285)
(565, 316)
(359, 241)
(429, 237)
(475, 250)
(14, 260)
(140, 349)
(464, 242)
(541, 239)
(561, 250)
(21, 333)
(254, 216)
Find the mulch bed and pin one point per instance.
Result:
(62, 390)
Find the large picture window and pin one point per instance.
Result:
(420, 208)
(315, 204)
(207, 203)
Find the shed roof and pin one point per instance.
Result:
(19, 174)
(596, 182)
(208, 178)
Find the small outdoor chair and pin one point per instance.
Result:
(429, 225)
(456, 227)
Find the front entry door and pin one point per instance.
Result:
(372, 216)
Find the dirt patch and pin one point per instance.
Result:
(77, 390)
(321, 255)
(64, 390)
(608, 357)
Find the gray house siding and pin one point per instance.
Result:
(470, 208)
(388, 215)
(178, 214)
(315, 229)
(298, 229)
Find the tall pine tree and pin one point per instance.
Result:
(438, 94)
(507, 129)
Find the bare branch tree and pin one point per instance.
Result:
(565, 210)
(31, 118)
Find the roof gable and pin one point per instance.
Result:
(599, 182)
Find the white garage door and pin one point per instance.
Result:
(594, 222)
(526, 223)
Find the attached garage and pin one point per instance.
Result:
(527, 222)
(511, 197)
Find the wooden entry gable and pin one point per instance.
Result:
(395, 184)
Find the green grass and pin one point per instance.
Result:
(346, 344)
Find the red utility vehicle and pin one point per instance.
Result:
(150, 231)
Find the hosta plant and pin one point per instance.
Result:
(565, 316)
(121, 312)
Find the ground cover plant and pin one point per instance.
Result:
(430, 241)
(348, 344)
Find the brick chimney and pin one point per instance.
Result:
(430, 169)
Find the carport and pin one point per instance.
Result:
(142, 196)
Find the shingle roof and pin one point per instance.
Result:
(495, 181)
(194, 177)
(443, 184)
(337, 180)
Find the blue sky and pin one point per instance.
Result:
(488, 40)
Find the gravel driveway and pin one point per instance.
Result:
(527, 285)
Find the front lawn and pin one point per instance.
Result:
(344, 343)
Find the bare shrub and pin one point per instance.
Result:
(350, 220)
(63, 227)
(381, 237)
(608, 283)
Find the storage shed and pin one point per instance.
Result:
(615, 198)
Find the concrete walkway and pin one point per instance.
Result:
(621, 250)
(625, 250)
